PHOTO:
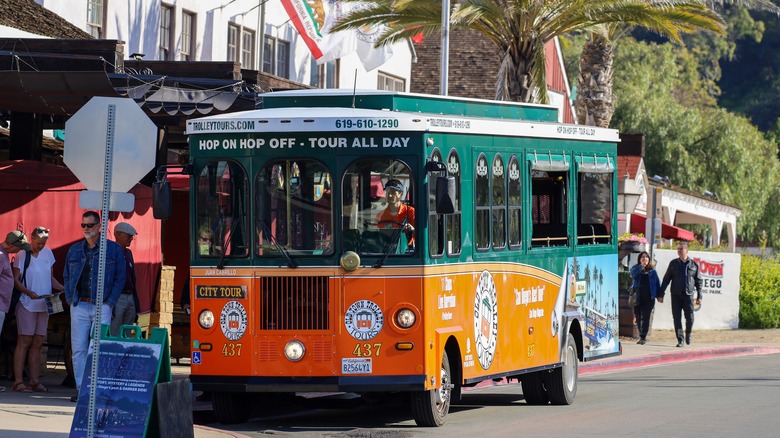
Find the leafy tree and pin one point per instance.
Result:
(595, 100)
(518, 28)
(699, 148)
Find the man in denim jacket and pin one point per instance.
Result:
(81, 275)
(684, 275)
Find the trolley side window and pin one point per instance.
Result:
(293, 208)
(549, 203)
(436, 222)
(482, 204)
(594, 216)
(454, 220)
(220, 221)
(498, 211)
(515, 203)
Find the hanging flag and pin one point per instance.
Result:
(313, 19)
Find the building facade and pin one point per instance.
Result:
(226, 30)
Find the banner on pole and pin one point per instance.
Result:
(313, 20)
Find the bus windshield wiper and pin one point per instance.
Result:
(392, 243)
(267, 230)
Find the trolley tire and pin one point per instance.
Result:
(561, 382)
(231, 407)
(534, 391)
(430, 408)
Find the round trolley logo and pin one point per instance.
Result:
(486, 319)
(233, 320)
(364, 320)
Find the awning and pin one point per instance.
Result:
(638, 222)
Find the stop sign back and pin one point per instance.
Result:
(134, 143)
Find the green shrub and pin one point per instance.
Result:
(759, 295)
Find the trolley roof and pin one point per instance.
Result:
(337, 118)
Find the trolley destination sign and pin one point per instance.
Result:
(328, 142)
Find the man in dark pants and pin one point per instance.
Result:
(685, 277)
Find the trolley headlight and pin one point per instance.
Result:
(206, 319)
(294, 351)
(405, 318)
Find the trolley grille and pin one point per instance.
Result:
(294, 303)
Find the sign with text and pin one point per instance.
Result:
(720, 291)
(128, 371)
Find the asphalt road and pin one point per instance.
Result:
(727, 397)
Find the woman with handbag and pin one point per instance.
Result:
(32, 316)
(645, 284)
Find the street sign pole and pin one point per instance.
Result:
(107, 172)
(128, 136)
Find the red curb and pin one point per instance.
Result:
(220, 431)
(677, 356)
(626, 363)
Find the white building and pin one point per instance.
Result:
(223, 30)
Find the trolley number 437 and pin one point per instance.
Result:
(367, 350)
(231, 349)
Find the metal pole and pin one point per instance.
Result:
(652, 223)
(96, 327)
(445, 46)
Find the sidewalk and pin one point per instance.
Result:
(46, 415)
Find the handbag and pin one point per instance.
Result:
(633, 296)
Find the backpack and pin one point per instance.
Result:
(22, 279)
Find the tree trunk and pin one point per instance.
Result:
(595, 103)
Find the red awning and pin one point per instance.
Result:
(638, 222)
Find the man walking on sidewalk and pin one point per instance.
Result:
(685, 277)
(126, 309)
(81, 285)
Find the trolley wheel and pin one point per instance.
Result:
(561, 382)
(534, 392)
(231, 407)
(431, 407)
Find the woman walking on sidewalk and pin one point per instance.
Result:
(646, 281)
(36, 281)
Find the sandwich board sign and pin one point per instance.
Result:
(129, 368)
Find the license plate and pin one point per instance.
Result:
(352, 365)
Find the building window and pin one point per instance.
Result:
(283, 59)
(166, 27)
(325, 75)
(276, 57)
(269, 44)
(96, 18)
(187, 36)
(232, 43)
(390, 83)
(247, 48)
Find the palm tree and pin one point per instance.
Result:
(595, 102)
(520, 28)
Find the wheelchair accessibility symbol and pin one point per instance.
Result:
(196, 357)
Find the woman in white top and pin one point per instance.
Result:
(32, 315)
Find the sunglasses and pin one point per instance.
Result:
(87, 225)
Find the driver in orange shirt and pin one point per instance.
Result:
(396, 211)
